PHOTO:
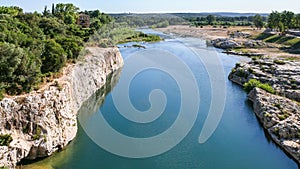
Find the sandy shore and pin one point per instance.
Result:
(210, 33)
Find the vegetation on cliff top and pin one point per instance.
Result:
(34, 45)
(252, 83)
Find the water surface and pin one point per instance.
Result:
(239, 141)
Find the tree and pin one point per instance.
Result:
(46, 12)
(287, 19)
(19, 69)
(13, 11)
(274, 20)
(297, 21)
(53, 58)
(72, 46)
(62, 10)
(53, 9)
(211, 19)
(258, 21)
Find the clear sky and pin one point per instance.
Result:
(146, 6)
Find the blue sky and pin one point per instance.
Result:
(145, 6)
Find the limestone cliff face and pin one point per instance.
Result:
(44, 121)
(278, 113)
(280, 117)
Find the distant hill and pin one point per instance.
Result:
(189, 15)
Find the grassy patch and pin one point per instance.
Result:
(279, 62)
(290, 41)
(263, 36)
(252, 83)
(141, 37)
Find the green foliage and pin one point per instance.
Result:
(283, 21)
(211, 19)
(148, 20)
(112, 34)
(279, 62)
(98, 19)
(13, 10)
(252, 83)
(241, 73)
(258, 21)
(224, 21)
(290, 41)
(283, 116)
(71, 45)
(37, 134)
(5, 139)
(34, 44)
(53, 58)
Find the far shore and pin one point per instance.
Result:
(210, 33)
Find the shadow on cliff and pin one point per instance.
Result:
(88, 108)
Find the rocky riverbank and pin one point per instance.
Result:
(279, 113)
(45, 121)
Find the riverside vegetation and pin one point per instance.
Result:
(34, 46)
(40, 119)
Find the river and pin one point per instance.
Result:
(238, 142)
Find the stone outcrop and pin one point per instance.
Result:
(225, 43)
(45, 121)
(283, 76)
(279, 113)
(280, 117)
(229, 43)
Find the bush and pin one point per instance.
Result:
(37, 134)
(241, 73)
(53, 58)
(252, 83)
(279, 62)
(5, 139)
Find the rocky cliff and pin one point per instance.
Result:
(45, 121)
(280, 117)
(279, 113)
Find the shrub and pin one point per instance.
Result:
(266, 87)
(5, 139)
(279, 62)
(37, 134)
(252, 83)
(241, 73)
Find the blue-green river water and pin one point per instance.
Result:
(239, 141)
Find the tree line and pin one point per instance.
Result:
(278, 21)
(282, 21)
(35, 45)
(224, 20)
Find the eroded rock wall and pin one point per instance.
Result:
(44, 121)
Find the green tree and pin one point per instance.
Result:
(53, 58)
(287, 19)
(258, 21)
(274, 20)
(72, 46)
(211, 19)
(46, 12)
(66, 12)
(13, 10)
(297, 21)
(19, 69)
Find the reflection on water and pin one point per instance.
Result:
(89, 107)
